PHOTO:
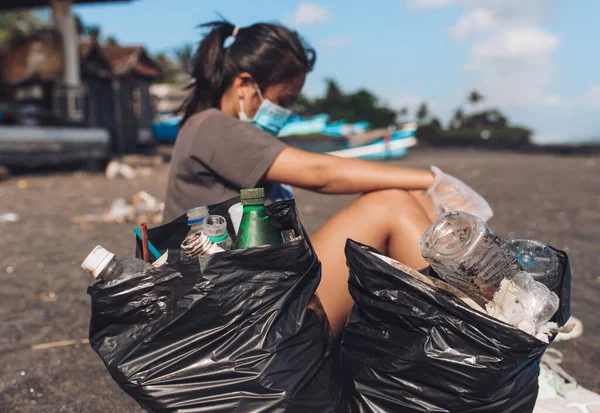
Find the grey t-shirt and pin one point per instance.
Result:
(215, 156)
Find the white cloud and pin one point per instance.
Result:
(429, 3)
(593, 96)
(473, 21)
(518, 43)
(509, 49)
(335, 41)
(307, 14)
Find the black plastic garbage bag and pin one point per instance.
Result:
(238, 331)
(409, 347)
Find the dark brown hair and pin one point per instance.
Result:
(271, 53)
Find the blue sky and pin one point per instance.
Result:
(536, 60)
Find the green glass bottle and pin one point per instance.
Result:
(256, 228)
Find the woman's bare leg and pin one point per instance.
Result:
(391, 221)
(425, 201)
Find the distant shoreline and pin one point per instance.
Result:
(592, 148)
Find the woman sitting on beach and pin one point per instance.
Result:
(245, 81)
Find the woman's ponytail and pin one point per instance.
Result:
(269, 52)
(209, 69)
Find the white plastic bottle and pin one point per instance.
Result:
(103, 264)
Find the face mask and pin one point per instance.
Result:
(269, 117)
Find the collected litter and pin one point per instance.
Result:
(235, 325)
(417, 341)
(140, 207)
(9, 217)
(514, 279)
(225, 285)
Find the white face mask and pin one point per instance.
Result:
(269, 117)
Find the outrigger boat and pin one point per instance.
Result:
(317, 135)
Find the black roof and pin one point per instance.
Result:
(26, 4)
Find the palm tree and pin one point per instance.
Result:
(475, 97)
(403, 112)
(422, 112)
(458, 119)
(112, 41)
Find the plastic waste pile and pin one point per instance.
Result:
(515, 280)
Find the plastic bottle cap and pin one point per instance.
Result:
(252, 196)
(97, 260)
(215, 227)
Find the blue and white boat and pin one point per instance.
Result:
(317, 134)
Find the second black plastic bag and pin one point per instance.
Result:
(409, 347)
(237, 331)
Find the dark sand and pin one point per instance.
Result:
(43, 299)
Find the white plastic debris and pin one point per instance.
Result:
(526, 304)
(116, 169)
(9, 217)
(140, 207)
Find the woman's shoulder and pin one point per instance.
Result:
(206, 116)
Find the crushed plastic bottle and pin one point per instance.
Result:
(199, 244)
(523, 302)
(465, 253)
(539, 260)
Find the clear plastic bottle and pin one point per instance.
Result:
(468, 255)
(524, 302)
(215, 227)
(103, 264)
(199, 244)
(539, 260)
(196, 218)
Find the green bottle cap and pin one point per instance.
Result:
(252, 196)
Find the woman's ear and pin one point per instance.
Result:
(246, 93)
(244, 85)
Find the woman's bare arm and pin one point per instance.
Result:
(334, 175)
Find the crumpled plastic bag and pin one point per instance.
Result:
(451, 194)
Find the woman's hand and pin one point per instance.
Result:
(449, 194)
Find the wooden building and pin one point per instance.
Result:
(133, 73)
(115, 82)
(64, 100)
(31, 74)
